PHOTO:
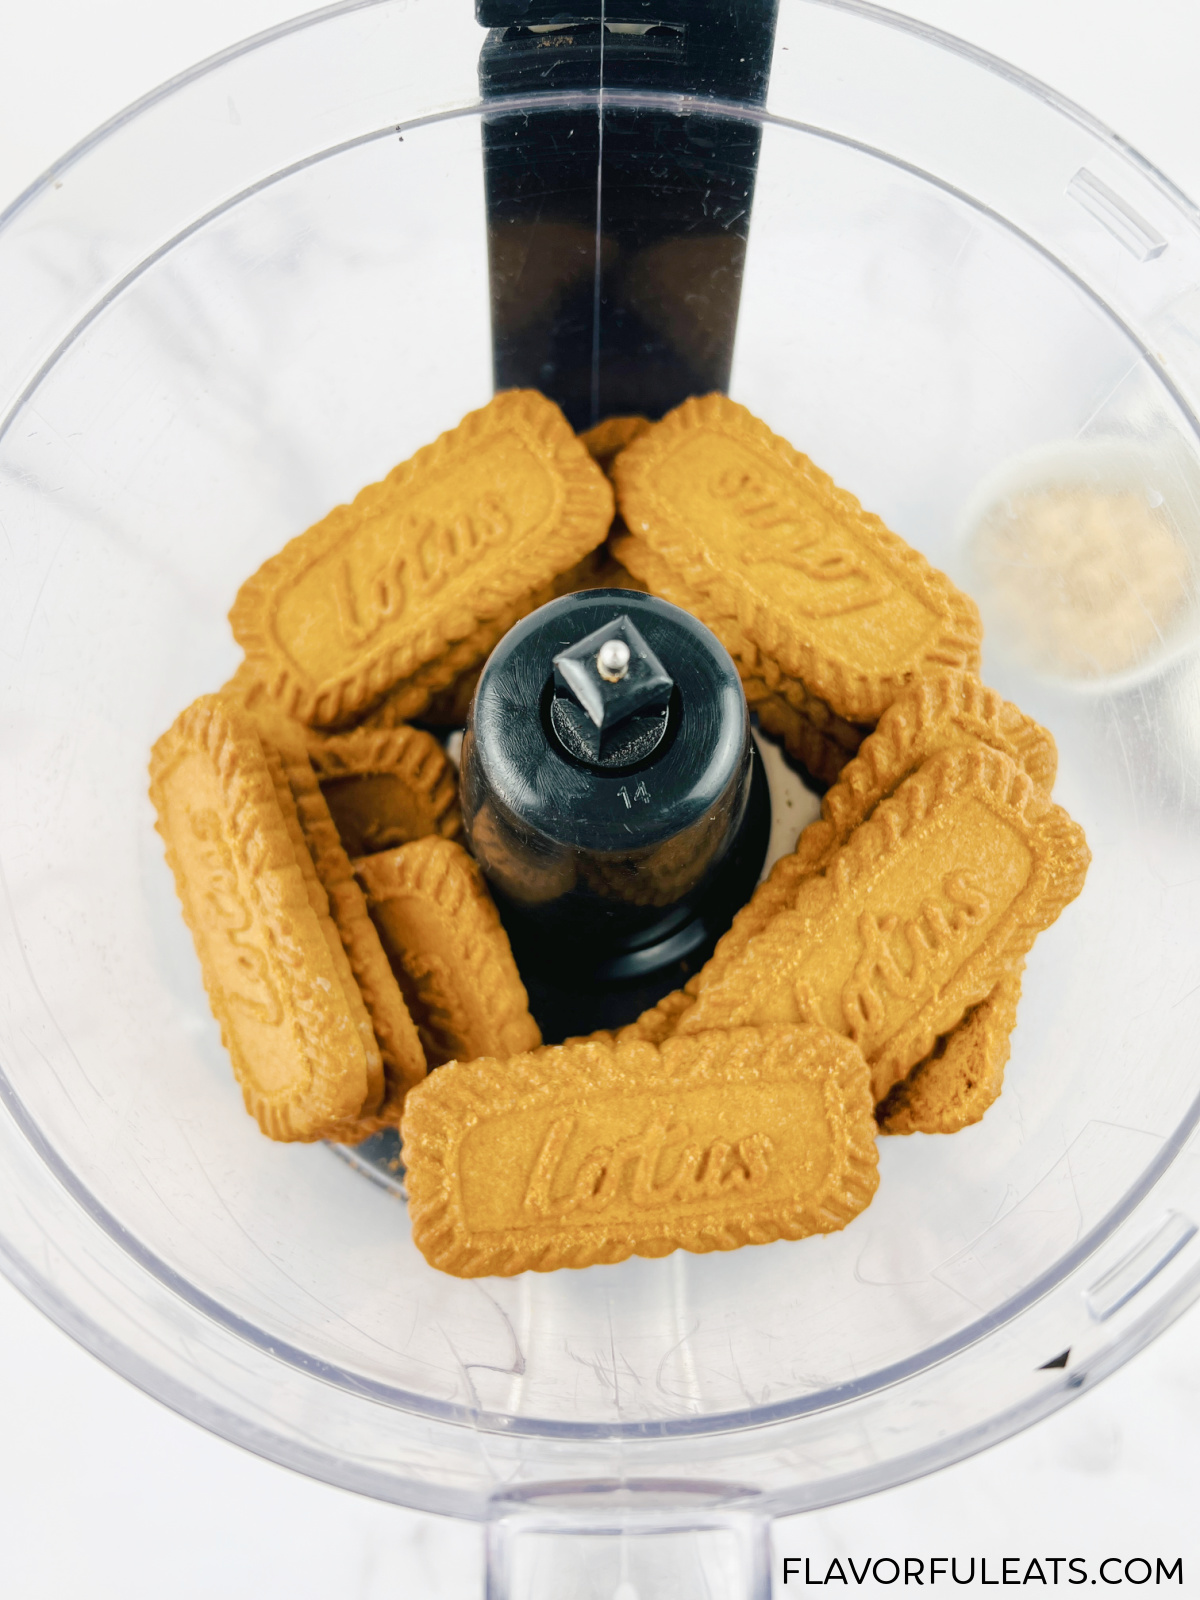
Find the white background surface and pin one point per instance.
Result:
(105, 1494)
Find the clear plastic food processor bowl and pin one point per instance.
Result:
(253, 294)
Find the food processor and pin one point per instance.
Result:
(279, 275)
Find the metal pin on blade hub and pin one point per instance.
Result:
(612, 660)
(612, 697)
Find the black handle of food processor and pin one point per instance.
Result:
(617, 240)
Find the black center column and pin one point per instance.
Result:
(617, 236)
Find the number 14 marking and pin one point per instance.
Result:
(640, 793)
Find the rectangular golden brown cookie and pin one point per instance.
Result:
(396, 1031)
(592, 1152)
(449, 952)
(932, 900)
(386, 786)
(266, 957)
(819, 586)
(933, 713)
(962, 1076)
(403, 1057)
(452, 539)
(319, 900)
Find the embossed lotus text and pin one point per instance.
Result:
(695, 1171)
(933, 941)
(236, 921)
(776, 528)
(590, 1152)
(429, 550)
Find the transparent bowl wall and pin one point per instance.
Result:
(256, 293)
